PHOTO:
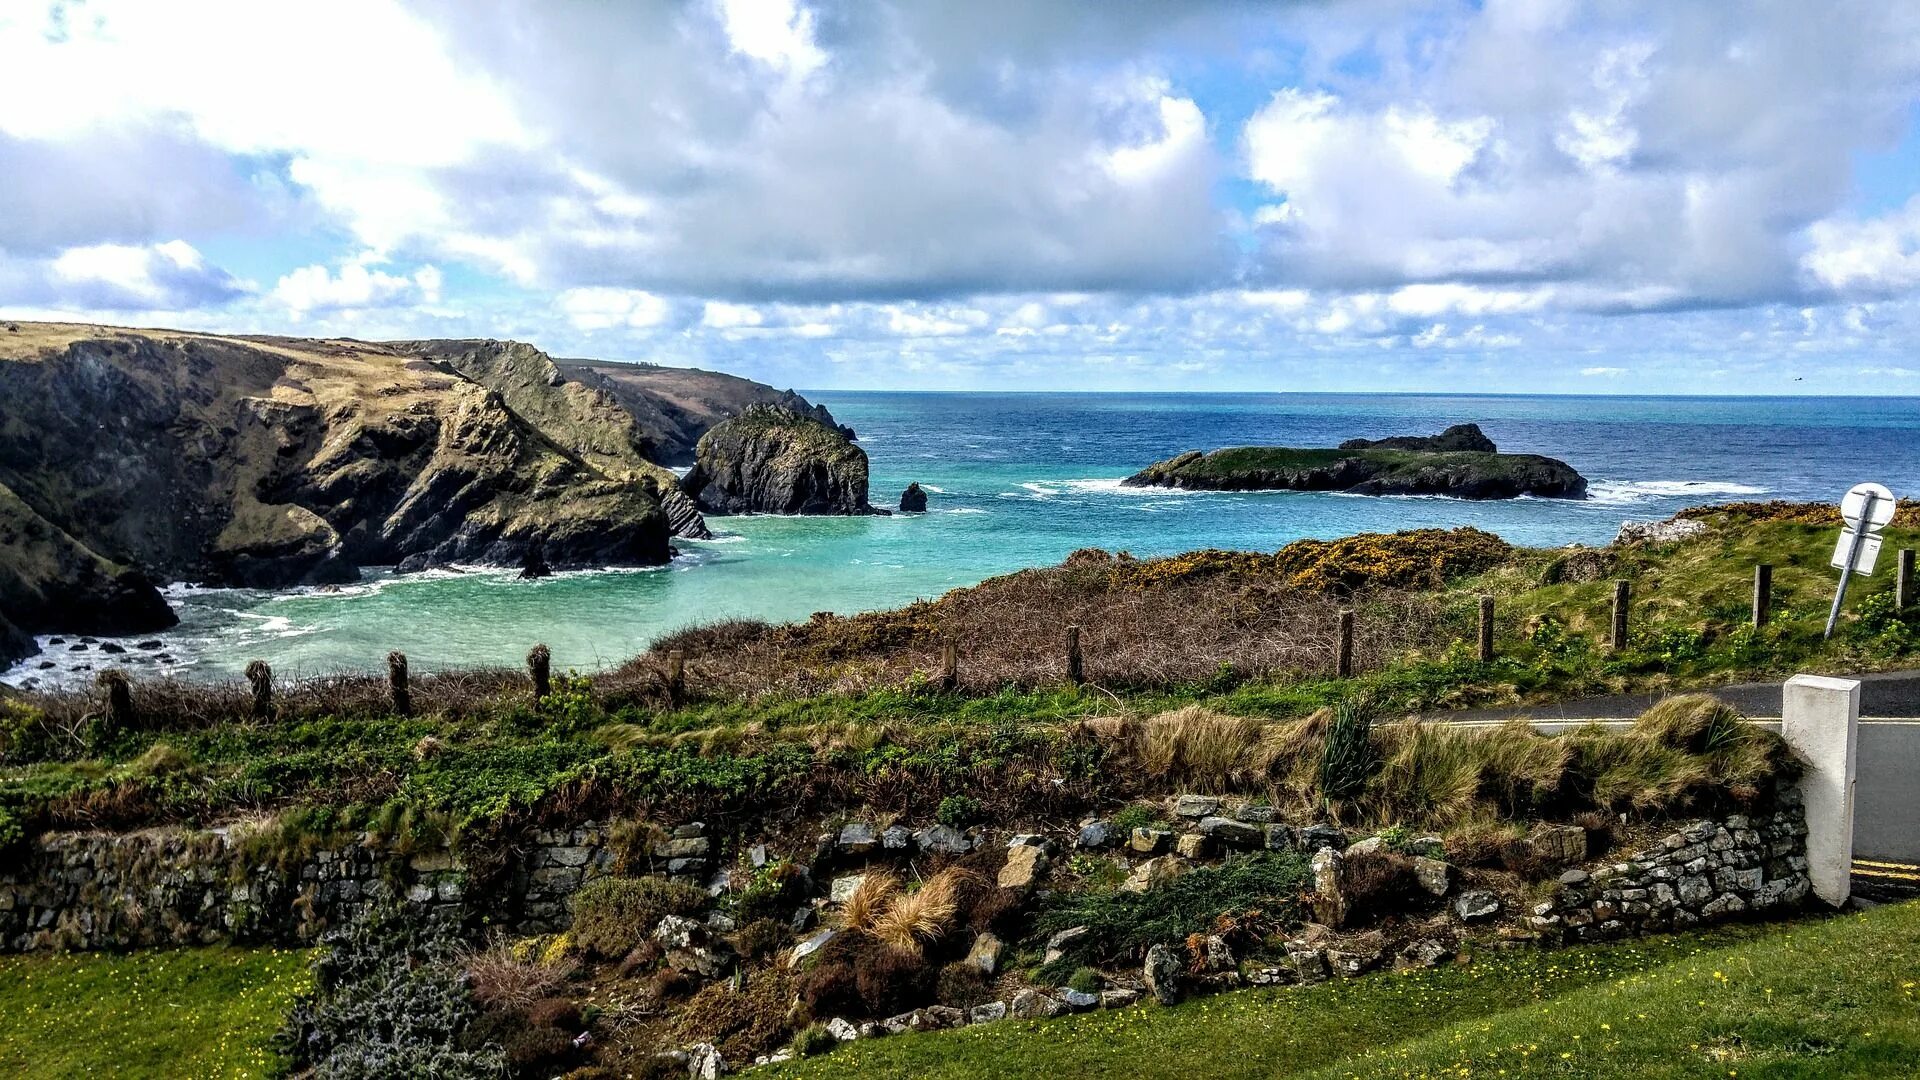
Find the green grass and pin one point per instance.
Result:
(185, 1012)
(1830, 998)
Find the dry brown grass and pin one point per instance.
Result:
(503, 981)
(870, 898)
(919, 918)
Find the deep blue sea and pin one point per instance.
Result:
(1020, 480)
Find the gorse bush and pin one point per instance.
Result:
(613, 915)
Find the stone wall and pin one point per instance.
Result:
(175, 886)
(1708, 871)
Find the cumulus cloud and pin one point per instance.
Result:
(128, 277)
(354, 287)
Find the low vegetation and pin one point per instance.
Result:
(186, 1012)
(1833, 998)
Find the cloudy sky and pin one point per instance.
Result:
(1513, 195)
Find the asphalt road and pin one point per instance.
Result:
(1883, 694)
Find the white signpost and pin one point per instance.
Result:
(1867, 508)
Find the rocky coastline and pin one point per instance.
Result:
(134, 458)
(1460, 462)
(775, 460)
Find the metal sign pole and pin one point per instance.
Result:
(1853, 556)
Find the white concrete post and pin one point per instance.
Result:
(1820, 719)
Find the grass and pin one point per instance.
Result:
(186, 1013)
(1831, 998)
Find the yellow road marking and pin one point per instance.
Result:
(1886, 865)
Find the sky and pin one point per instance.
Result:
(1500, 196)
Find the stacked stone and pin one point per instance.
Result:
(558, 863)
(1708, 871)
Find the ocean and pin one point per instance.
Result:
(1020, 480)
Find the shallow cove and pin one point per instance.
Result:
(1016, 480)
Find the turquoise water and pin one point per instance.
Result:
(1019, 480)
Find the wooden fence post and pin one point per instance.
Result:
(1343, 659)
(540, 670)
(261, 678)
(397, 683)
(1486, 629)
(1076, 670)
(950, 665)
(1762, 594)
(1903, 597)
(119, 690)
(677, 676)
(1621, 595)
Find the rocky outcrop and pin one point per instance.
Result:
(674, 407)
(772, 460)
(1403, 465)
(50, 581)
(268, 462)
(913, 500)
(1467, 437)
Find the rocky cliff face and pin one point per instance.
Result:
(1467, 437)
(274, 461)
(674, 407)
(772, 460)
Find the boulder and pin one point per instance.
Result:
(810, 946)
(913, 500)
(1058, 944)
(1235, 834)
(1315, 837)
(1161, 973)
(1154, 873)
(1076, 1000)
(1024, 868)
(1192, 846)
(1476, 905)
(1558, 844)
(1433, 875)
(842, 1030)
(1671, 531)
(842, 888)
(1095, 834)
(943, 840)
(1424, 953)
(705, 1063)
(1195, 806)
(1118, 998)
(1149, 841)
(1031, 1004)
(985, 953)
(896, 838)
(1466, 437)
(1329, 887)
(856, 838)
(1219, 955)
(1309, 964)
(988, 1013)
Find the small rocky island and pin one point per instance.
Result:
(1460, 462)
(775, 460)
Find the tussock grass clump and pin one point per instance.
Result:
(913, 920)
(1348, 758)
(870, 898)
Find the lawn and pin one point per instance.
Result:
(1824, 998)
(180, 1012)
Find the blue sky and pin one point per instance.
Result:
(1619, 196)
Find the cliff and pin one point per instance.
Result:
(1445, 464)
(772, 460)
(674, 407)
(128, 456)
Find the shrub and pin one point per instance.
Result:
(814, 1040)
(1122, 924)
(612, 915)
(962, 985)
(1348, 758)
(1137, 816)
(1086, 980)
(502, 980)
(388, 1000)
(958, 811)
(891, 981)
(772, 892)
(744, 1022)
(830, 988)
(760, 938)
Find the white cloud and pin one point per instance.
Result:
(1603, 372)
(129, 277)
(601, 308)
(354, 287)
(778, 33)
(1875, 255)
